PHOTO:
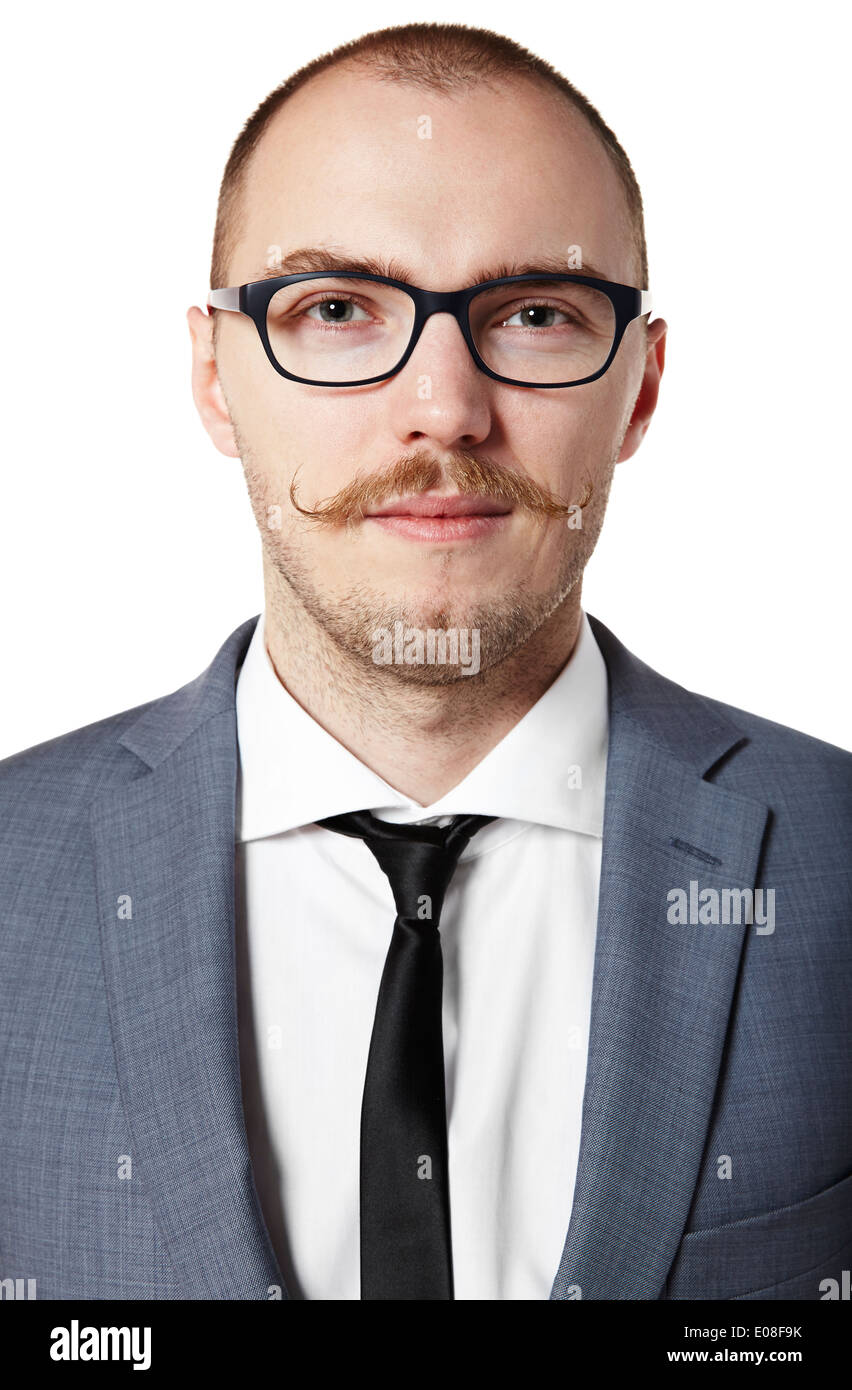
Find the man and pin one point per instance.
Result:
(427, 945)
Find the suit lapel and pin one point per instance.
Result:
(662, 993)
(164, 846)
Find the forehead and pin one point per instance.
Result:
(439, 182)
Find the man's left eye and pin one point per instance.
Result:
(533, 316)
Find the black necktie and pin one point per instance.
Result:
(406, 1252)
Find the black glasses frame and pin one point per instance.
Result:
(253, 300)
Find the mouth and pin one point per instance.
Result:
(430, 517)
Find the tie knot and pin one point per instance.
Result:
(419, 860)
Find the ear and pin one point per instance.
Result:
(206, 388)
(646, 401)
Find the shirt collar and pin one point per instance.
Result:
(549, 769)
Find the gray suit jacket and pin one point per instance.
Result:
(716, 1149)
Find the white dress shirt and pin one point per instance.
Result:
(315, 915)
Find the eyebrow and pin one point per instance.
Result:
(312, 258)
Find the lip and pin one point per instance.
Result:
(427, 504)
(431, 517)
(441, 528)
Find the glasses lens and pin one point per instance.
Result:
(548, 331)
(339, 329)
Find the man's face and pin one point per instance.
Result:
(508, 175)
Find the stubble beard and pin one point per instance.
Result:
(349, 623)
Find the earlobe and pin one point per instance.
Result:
(206, 387)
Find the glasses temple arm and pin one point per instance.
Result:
(224, 299)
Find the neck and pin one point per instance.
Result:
(422, 740)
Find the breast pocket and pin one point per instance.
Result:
(786, 1253)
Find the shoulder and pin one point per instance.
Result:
(777, 753)
(806, 784)
(805, 781)
(63, 774)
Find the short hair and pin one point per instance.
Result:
(442, 58)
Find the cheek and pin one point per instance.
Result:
(281, 434)
(316, 445)
(557, 442)
(319, 428)
(329, 441)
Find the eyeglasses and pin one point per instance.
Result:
(354, 329)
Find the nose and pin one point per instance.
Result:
(440, 393)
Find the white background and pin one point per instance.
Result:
(128, 548)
